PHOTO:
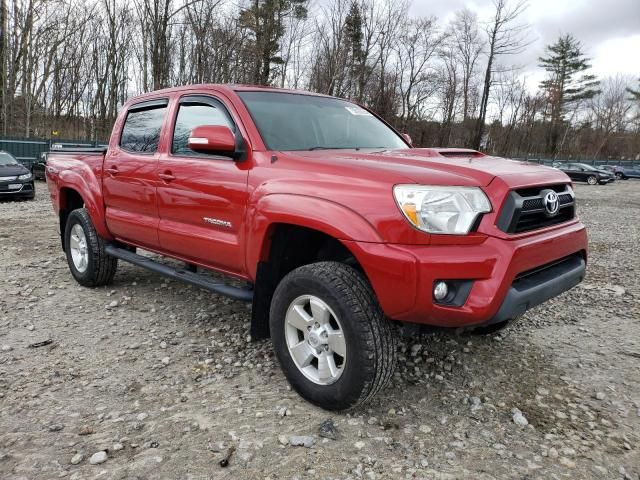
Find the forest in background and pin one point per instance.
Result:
(69, 65)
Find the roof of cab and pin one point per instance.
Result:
(229, 88)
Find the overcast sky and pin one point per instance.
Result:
(608, 29)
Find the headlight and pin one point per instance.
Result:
(26, 176)
(443, 210)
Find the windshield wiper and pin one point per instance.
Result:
(345, 148)
(335, 148)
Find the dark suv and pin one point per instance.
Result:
(581, 172)
(622, 173)
(16, 181)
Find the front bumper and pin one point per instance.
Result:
(25, 190)
(501, 270)
(537, 287)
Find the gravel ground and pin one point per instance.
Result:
(151, 378)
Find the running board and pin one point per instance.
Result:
(243, 294)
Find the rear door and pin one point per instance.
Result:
(201, 197)
(130, 176)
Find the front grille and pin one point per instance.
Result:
(535, 191)
(540, 220)
(524, 209)
(532, 204)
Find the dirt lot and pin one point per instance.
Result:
(161, 377)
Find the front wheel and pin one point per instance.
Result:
(88, 262)
(592, 180)
(331, 338)
(620, 176)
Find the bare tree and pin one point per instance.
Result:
(388, 23)
(418, 43)
(509, 100)
(610, 111)
(449, 88)
(504, 37)
(468, 45)
(293, 48)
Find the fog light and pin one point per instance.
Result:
(440, 290)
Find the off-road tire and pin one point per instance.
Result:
(369, 336)
(101, 267)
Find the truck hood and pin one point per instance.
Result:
(428, 166)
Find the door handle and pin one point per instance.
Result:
(112, 170)
(166, 176)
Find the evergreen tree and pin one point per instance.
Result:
(354, 37)
(266, 19)
(567, 82)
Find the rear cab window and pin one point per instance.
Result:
(142, 127)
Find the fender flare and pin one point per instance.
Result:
(89, 188)
(331, 218)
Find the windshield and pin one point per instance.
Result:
(304, 122)
(7, 159)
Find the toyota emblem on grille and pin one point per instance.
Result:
(551, 203)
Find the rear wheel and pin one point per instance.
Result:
(88, 262)
(592, 180)
(331, 338)
(619, 176)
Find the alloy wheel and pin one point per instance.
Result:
(315, 340)
(79, 249)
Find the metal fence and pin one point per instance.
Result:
(28, 150)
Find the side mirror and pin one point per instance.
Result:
(407, 138)
(212, 139)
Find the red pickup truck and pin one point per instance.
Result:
(327, 219)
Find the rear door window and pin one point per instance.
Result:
(141, 131)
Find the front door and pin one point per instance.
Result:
(130, 177)
(201, 197)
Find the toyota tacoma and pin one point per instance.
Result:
(322, 216)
